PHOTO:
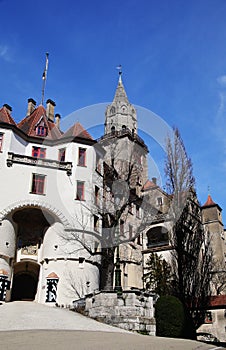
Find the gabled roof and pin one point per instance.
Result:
(148, 185)
(5, 116)
(29, 123)
(77, 130)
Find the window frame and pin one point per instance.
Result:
(41, 152)
(82, 157)
(61, 154)
(1, 140)
(41, 130)
(96, 223)
(38, 182)
(80, 186)
(97, 195)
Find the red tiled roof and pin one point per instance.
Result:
(209, 202)
(28, 124)
(5, 116)
(3, 272)
(148, 184)
(218, 301)
(77, 130)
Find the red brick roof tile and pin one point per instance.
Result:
(5, 116)
(77, 130)
(149, 184)
(29, 123)
(209, 202)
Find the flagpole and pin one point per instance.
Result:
(44, 77)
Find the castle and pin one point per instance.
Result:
(52, 197)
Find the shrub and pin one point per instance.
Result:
(170, 317)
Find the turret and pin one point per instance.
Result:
(120, 114)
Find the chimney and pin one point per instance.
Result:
(50, 109)
(57, 120)
(154, 180)
(9, 108)
(30, 106)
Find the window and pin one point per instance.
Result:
(208, 317)
(81, 262)
(96, 223)
(113, 129)
(97, 194)
(122, 228)
(38, 183)
(139, 240)
(41, 130)
(38, 152)
(80, 195)
(82, 156)
(159, 201)
(1, 141)
(61, 155)
(138, 211)
(157, 236)
(98, 163)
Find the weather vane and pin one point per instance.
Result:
(44, 77)
(119, 67)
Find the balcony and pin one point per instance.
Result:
(39, 162)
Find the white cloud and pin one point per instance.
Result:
(222, 80)
(4, 53)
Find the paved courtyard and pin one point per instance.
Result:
(31, 326)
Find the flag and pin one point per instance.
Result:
(44, 75)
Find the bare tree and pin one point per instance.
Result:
(219, 277)
(115, 226)
(191, 254)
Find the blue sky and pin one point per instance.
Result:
(173, 54)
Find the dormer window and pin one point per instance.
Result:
(40, 128)
(41, 131)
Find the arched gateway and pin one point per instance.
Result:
(22, 232)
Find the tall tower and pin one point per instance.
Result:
(120, 114)
(121, 140)
(212, 220)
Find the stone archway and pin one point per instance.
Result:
(25, 280)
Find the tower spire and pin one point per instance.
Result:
(44, 77)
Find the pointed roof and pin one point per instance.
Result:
(77, 130)
(120, 93)
(29, 123)
(149, 184)
(210, 203)
(5, 116)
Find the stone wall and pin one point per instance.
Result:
(131, 310)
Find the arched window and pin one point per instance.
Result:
(157, 236)
(112, 110)
(124, 128)
(113, 129)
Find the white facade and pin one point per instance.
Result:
(37, 218)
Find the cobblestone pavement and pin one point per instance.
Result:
(31, 326)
